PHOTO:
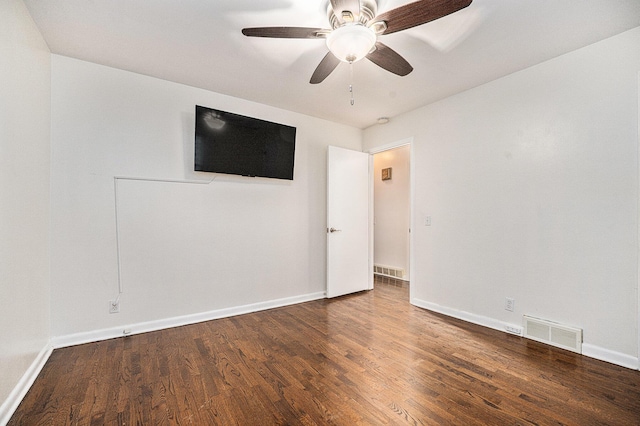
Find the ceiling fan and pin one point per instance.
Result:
(355, 28)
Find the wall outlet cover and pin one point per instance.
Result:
(509, 304)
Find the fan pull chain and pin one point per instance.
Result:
(353, 101)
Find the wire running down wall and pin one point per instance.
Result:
(181, 242)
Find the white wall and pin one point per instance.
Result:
(532, 185)
(185, 248)
(25, 115)
(392, 208)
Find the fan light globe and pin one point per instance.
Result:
(351, 42)
(214, 121)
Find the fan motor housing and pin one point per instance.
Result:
(367, 12)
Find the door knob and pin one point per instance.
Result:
(332, 230)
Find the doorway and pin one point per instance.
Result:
(392, 211)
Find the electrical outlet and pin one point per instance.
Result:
(509, 304)
(114, 306)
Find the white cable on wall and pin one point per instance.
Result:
(115, 194)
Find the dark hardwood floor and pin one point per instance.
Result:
(369, 358)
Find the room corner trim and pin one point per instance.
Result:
(10, 405)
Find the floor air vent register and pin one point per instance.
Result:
(388, 271)
(552, 333)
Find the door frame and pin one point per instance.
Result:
(377, 150)
(638, 236)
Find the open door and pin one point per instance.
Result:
(348, 269)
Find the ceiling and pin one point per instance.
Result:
(199, 43)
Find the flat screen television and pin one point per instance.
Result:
(234, 144)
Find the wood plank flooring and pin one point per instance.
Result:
(369, 358)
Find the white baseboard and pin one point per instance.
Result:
(613, 357)
(468, 317)
(144, 327)
(589, 350)
(10, 405)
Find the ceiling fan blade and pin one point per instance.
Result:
(418, 13)
(340, 6)
(387, 58)
(285, 32)
(326, 67)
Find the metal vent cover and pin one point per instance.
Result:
(552, 333)
(388, 271)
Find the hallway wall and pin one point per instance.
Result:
(392, 209)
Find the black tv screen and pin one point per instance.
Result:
(235, 144)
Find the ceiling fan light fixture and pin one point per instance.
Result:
(351, 42)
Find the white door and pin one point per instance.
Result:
(348, 269)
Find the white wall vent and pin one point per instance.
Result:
(388, 271)
(554, 334)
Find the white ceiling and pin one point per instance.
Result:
(199, 43)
